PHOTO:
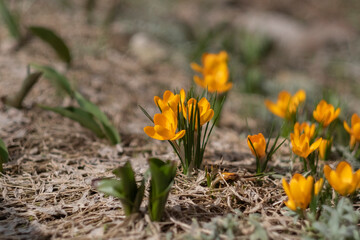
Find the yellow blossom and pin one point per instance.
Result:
(299, 191)
(205, 111)
(325, 113)
(318, 186)
(324, 147)
(165, 126)
(343, 180)
(301, 145)
(304, 128)
(215, 72)
(286, 104)
(259, 143)
(169, 100)
(354, 130)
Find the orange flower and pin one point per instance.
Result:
(215, 72)
(343, 180)
(165, 126)
(286, 104)
(205, 111)
(259, 143)
(324, 148)
(325, 113)
(301, 145)
(354, 131)
(169, 100)
(299, 191)
(304, 128)
(318, 186)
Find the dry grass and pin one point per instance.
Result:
(46, 190)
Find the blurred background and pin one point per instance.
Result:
(127, 51)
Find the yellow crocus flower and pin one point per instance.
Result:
(169, 100)
(354, 130)
(323, 148)
(215, 72)
(205, 111)
(286, 104)
(259, 144)
(165, 126)
(343, 180)
(304, 128)
(325, 113)
(299, 191)
(301, 145)
(318, 186)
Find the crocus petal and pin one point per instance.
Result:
(178, 135)
(274, 109)
(286, 188)
(344, 171)
(347, 127)
(206, 117)
(150, 131)
(291, 205)
(315, 145)
(196, 67)
(318, 186)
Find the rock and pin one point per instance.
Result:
(147, 49)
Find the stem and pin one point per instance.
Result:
(17, 99)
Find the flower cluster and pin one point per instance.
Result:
(181, 122)
(214, 71)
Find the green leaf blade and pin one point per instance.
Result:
(4, 154)
(54, 40)
(77, 114)
(10, 21)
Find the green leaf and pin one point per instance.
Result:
(109, 130)
(162, 178)
(127, 175)
(58, 79)
(125, 189)
(54, 40)
(11, 24)
(111, 187)
(4, 154)
(79, 115)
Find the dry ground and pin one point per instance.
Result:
(46, 190)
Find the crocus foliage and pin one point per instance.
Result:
(215, 72)
(343, 180)
(4, 154)
(124, 188)
(300, 191)
(162, 178)
(325, 113)
(286, 105)
(354, 130)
